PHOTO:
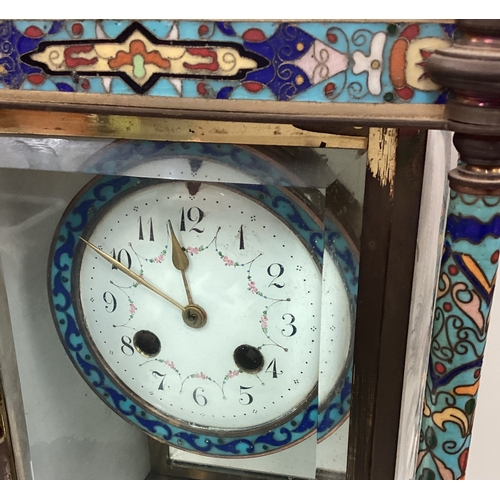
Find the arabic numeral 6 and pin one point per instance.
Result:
(199, 399)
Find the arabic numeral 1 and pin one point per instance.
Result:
(151, 232)
(193, 214)
(122, 256)
(242, 238)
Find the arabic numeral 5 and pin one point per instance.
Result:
(246, 398)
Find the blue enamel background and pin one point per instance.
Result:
(282, 78)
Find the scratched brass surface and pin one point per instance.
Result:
(70, 124)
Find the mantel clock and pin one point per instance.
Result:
(216, 224)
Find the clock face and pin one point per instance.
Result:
(254, 361)
(194, 310)
(205, 313)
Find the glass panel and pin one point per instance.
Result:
(206, 313)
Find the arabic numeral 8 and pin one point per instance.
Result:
(127, 348)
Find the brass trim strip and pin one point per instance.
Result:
(57, 124)
(7, 467)
(394, 115)
(382, 144)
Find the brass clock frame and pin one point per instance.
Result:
(391, 203)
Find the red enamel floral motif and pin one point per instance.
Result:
(73, 62)
(253, 86)
(329, 89)
(77, 29)
(425, 55)
(440, 368)
(36, 79)
(137, 47)
(203, 52)
(494, 257)
(203, 30)
(254, 35)
(33, 32)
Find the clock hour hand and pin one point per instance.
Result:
(180, 261)
(131, 274)
(193, 315)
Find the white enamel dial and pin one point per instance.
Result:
(255, 361)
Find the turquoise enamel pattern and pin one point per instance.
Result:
(466, 283)
(334, 61)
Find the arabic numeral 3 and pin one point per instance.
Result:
(290, 332)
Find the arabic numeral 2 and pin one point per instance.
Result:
(193, 214)
(275, 271)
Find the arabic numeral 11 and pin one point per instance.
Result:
(151, 231)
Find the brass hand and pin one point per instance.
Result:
(132, 275)
(193, 315)
(180, 261)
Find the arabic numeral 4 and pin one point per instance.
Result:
(272, 368)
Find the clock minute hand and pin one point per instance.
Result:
(133, 275)
(180, 261)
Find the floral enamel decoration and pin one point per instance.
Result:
(372, 63)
